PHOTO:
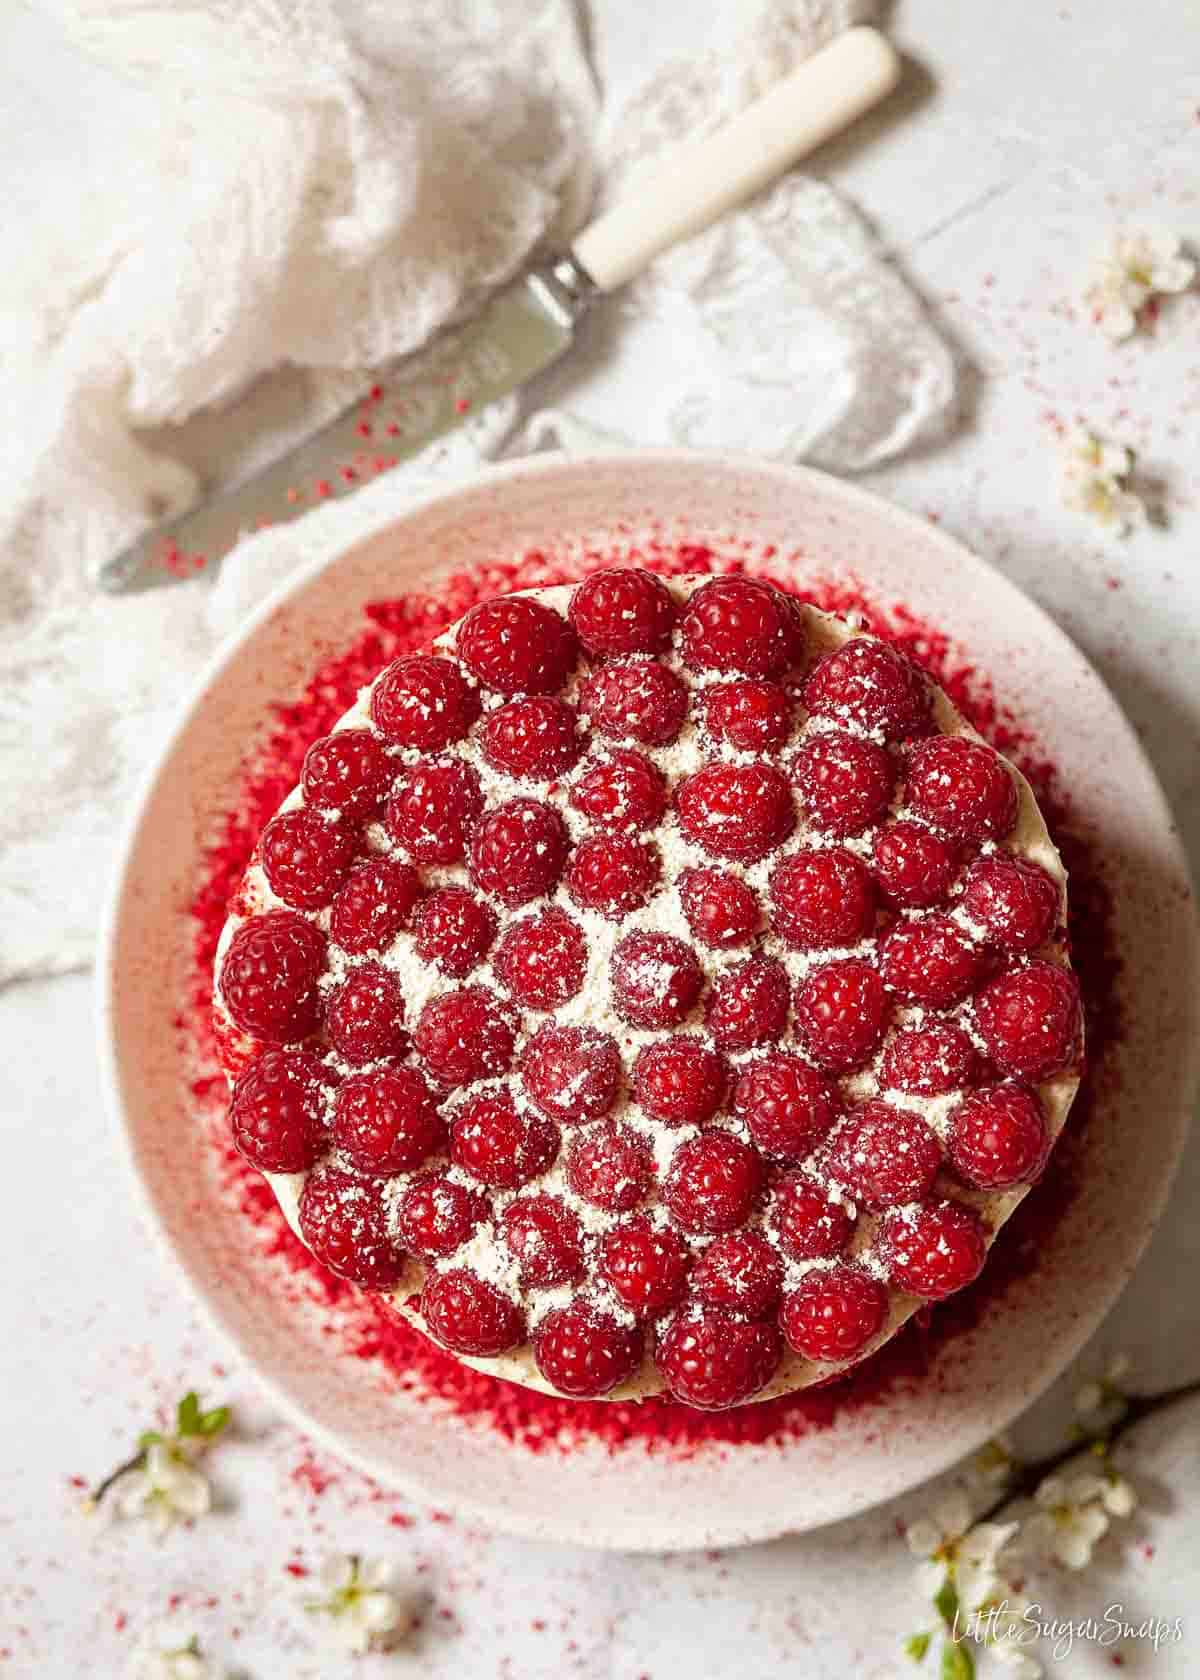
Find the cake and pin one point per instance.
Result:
(656, 986)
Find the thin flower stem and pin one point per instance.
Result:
(137, 1462)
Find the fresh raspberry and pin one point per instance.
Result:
(740, 1271)
(914, 867)
(1030, 1020)
(424, 702)
(470, 1316)
(929, 1061)
(305, 858)
(623, 790)
(584, 1353)
(534, 739)
(343, 1219)
(807, 1224)
(269, 977)
(646, 1266)
(841, 1011)
(931, 961)
(433, 809)
(752, 716)
(542, 959)
(376, 901)
(845, 783)
(453, 930)
(613, 874)
(348, 772)
(963, 789)
(277, 1111)
(517, 646)
(498, 1144)
(884, 1156)
(868, 683)
(679, 1081)
(437, 1215)
(721, 909)
(635, 700)
(934, 1250)
(821, 899)
(712, 1360)
(623, 609)
(611, 1167)
(712, 1182)
(465, 1035)
(739, 811)
(655, 980)
(748, 1004)
(787, 1106)
(1014, 901)
(573, 1074)
(831, 1315)
(545, 1239)
(998, 1138)
(739, 624)
(387, 1122)
(518, 851)
(365, 1015)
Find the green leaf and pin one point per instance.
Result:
(916, 1645)
(187, 1414)
(946, 1602)
(957, 1661)
(148, 1438)
(212, 1423)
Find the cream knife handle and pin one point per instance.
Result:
(702, 179)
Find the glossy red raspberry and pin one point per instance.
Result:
(518, 851)
(788, 1107)
(499, 1144)
(963, 789)
(807, 1224)
(751, 716)
(305, 858)
(739, 1271)
(584, 1353)
(884, 1156)
(748, 1004)
(656, 980)
(646, 1266)
(437, 1215)
(424, 702)
(573, 1074)
(453, 930)
(739, 624)
(738, 811)
(545, 1239)
(365, 1015)
(821, 899)
(679, 1081)
(868, 683)
(933, 1250)
(387, 1121)
(433, 810)
(269, 977)
(915, 868)
(998, 1138)
(277, 1111)
(712, 1360)
(533, 740)
(929, 1061)
(611, 1167)
(635, 700)
(721, 909)
(712, 1182)
(372, 907)
(468, 1315)
(465, 1035)
(1030, 1020)
(831, 1315)
(845, 783)
(613, 874)
(1014, 901)
(348, 772)
(622, 790)
(542, 959)
(623, 609)
(841, 1012)
(343, 1219)
(932, 960)
(517, 646)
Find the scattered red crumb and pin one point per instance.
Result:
(400, 1519)
(461, 405)
(296, 1569)
(310, 1474)
(120, 1621)
(77, 1481)
(375, 393)
(324, 488)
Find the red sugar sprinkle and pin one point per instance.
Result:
(296, 1569)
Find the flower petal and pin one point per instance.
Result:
(190, 1492)
(923, 1537)
(1051, 1491)
(336, 1573)
(382, 1611)
(1119, 1498)
(953, 1513)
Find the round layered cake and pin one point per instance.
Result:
(657, 985)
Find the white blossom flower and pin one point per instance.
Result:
(951, 1549)
(994, 1463)
(1095, 480)
(359, 1608)
(1095, 1396)
(168, 1655)
(1119, 1497)
(1071, 1517)
(1001, 1625)
(165, 1490)
(1137, 268)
